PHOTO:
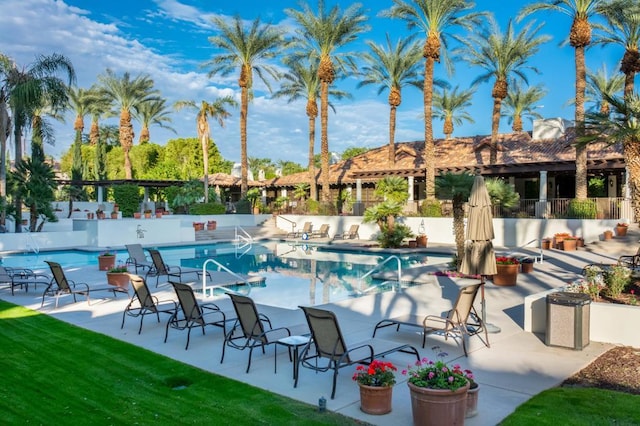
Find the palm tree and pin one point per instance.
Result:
(127, 93)
(599, 84)
(99, 106)
(302, 82)
(215, 110)
(449, 106)
(28, 89)
(621, 125)
(457, 188)
(503, 56)
(435, 18)
(152, 112)
(579, 38)
(79, 101)
(392, 67)
(319, 37)
(522, 102)
(246, 50)
(5, 123)
(623, 18)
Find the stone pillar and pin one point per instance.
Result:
(100, 195)
(410, 181)
(542, 206)
(543, 185)
(358, 206)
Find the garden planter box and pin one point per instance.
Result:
(118, 279)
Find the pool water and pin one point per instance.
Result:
(295, 274)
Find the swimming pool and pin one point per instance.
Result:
(295, 274)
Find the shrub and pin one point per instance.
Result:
(394, 238)
(431, 208)
(582, 209)
(207, 208)
(243, 206)
(127, 197)
(616, 278)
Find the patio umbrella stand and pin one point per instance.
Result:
(479, 257)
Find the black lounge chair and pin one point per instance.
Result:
(22, 277)
(252, 329)
(137, 257)
(60, 285)
(144, 303)
(193, 314)
(159, 268)
(327, 342)
(461, 321)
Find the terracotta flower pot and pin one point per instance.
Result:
(546, 244)
(421, 240)
(106, 262)
(608, 235)
(438, 406)
(621, 231)
(507, 275)
(472, 401)
(118, 279)
(137, 215)
(569, 245)
(375, 399)
(527, 267)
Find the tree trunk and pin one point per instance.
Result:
(429, 146)
(324, 141)
(244, 108)
(458, 228)
(126, 141)
(204, 139)
(632, 160)
(581, 151)
(313, 185)
(495, 125)
(392, 132)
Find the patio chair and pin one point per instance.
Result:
(351, 234)
(327, 340)
(193, 314)
(60, 285)
(630, 260)
(159, 268)
(307, 228)
(322, 233)
(462, 320)
(137, 257)
(22, 277)
(144, 303)
(252, 329)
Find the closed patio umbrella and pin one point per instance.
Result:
(479, 257)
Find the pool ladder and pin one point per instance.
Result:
(241, 280)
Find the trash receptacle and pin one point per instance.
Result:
(568, 320)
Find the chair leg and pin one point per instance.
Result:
(335, 378)
(250, 353)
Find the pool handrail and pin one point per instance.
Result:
(241, 280)
(380, 265)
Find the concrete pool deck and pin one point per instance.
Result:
(517, 366)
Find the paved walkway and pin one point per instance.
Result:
(517, 366)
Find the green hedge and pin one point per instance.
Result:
(207, 208)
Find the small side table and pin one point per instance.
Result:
(291, 342)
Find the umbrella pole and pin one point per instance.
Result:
(489, 327)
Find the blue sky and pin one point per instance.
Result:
(168, 39)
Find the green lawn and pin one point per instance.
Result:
(56, 373)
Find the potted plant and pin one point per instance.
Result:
(472, 394)
(421, 240)
(376, 382)
(106, 260)
(559, 238)
(507, 268)
(621, 229)
(438, 392)
(114, 214)
(147, 214)
(99, 213)
(569, 243)
(137, 215)
(211, 225)
(527, 265)
(118, 276)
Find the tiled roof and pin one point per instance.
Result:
(463, 153)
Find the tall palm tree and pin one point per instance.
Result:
(580, 11)
(503, 56)
(449, 106)
(79, 101)
(100, 105)
(435, 18)
(621, 125)
(28, 89)
(152, 112)
(215, 110)
(392, 67)
(5, 122)
(302, 82)
(246, 50)
(599, 84)
(126, 94)
(623, 18)
(457, 188)
(522, 102)
(319, 37)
